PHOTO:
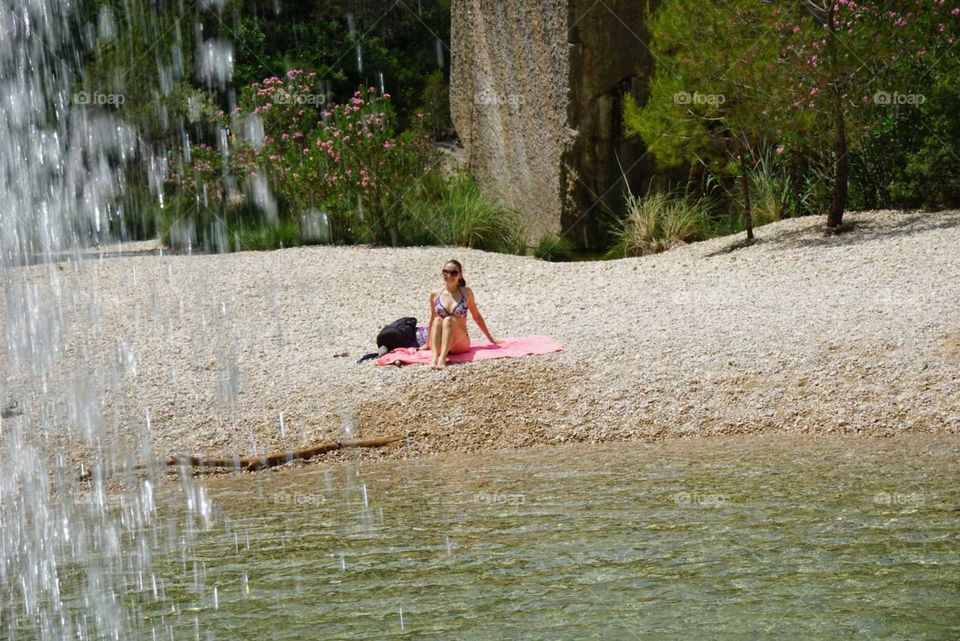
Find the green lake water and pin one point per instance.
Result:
(771, 538)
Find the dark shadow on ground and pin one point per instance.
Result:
(864, 228)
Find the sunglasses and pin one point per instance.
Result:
(450, 272)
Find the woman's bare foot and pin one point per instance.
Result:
(433, 363)
(441, 364)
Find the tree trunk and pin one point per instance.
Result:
(745, 188)
(840, 164)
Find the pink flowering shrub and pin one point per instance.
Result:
(345, 159)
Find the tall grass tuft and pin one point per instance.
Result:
(266, 236)
(455, 210)
(555, 248)
(659, 222)
(771, 196)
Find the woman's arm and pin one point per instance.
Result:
(477, 318)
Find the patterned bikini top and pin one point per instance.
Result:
(459, 310)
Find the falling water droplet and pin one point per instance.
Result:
(253, 131)
(262, 197)
(347, 421)
(401, 620)
(106, 25)
(324, 228)
(215, 62)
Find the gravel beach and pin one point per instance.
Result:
(238, 353)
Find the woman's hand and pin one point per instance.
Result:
(496, 341)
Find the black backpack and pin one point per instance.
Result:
(400, 333)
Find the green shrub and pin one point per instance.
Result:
(771, 197)
(266, 236)
(931, 175)
(554, 248)
(455, 210)
(816, 195)
(435, 108)
(660, 222)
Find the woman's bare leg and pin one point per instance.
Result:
(452, 341)
(459, 342)
(435, 330)
(446, 329)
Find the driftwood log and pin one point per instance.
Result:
(254, 463)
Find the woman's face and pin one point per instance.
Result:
(451, 273)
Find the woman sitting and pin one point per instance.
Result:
(448, 316)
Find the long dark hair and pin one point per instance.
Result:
(461, 282)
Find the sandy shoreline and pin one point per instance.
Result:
(799, 334)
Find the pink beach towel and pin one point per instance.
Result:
(510, 348)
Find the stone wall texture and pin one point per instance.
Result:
(536, 95)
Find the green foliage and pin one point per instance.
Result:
(396, 39)
(455, 210)
(267, 236)
(435, 106)
(554, 248)
(931, 172)
(659, 222)
(771, 195)
(816, 192)
(799, 76)
(703, 106)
